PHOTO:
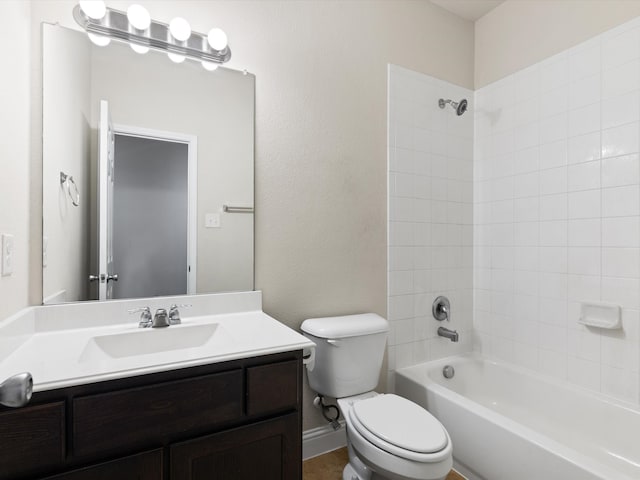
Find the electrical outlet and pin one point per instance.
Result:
(7, 254)
(212, 220)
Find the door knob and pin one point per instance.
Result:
(94, 278)
(112, 278)
(16, 391)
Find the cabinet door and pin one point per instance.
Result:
(144, 466)
(270, 450)
(31, 439)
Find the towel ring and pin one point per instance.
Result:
(69, 181)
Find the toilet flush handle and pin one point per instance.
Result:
(309, 358)
(335, 343)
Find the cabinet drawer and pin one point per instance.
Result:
(273, 387)
(153, 415)
(144, 466)
(32, 439)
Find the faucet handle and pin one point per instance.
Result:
(174, 313)
(145, 316)
(441, 309)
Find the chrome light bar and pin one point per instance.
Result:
(114, 24)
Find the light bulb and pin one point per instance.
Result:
(217, 39)
(209, 65)
(138, 17)
(95, 9)
(142, 49)
(180, 29)
(99, 40)
(175, 57)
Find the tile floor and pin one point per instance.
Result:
(329, 467)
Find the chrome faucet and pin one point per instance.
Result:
(146, 320)
(174, 314)
(160, 319)
(441, 310)
(446, 333)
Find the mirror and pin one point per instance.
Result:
(140, 157)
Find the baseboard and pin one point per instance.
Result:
(317, 441)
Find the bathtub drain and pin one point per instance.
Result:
(448, 371)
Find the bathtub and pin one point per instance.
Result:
(508, 423)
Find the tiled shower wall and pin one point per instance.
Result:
(430, 217)
(557, 205)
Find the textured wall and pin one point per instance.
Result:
(557, 213)
(321, 83)
(519, 33)
(14, 152)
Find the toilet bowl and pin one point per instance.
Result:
(390, 437)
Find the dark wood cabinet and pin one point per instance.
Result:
(144, 466)
(32, 439)
(152, 414)
(234, 420)
(268, 450)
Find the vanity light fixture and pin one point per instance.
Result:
(175, 58)
(95, 9)
(209, 65)
(138, 16)
(217, 39)
(180, 29)
(136, 27)
(99, 40)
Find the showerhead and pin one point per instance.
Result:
(460, 107)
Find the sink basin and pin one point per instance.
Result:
(149, 340)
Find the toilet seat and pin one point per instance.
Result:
(400, 427)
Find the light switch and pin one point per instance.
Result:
(212, 220)
(7, 254)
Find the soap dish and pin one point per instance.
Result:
(600, 315)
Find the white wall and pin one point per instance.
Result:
(321, 111)
(557, 213)
(66, 146)
(14, 150)
(518, 33)
(430, 217)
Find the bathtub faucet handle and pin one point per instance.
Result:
(441, 309)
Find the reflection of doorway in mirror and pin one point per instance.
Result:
(154, 223)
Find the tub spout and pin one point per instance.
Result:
(450, 334)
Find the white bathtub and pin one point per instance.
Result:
(508, 423)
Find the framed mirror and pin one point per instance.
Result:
(148, 176)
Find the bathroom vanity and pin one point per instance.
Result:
(227, 410)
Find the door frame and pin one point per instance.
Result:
(191, 141)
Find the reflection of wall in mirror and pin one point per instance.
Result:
(14, 153)
(67, 145)
(217, 107)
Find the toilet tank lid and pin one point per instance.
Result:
(345, 326)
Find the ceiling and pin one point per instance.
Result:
(468, 9)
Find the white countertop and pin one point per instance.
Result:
(63, 357)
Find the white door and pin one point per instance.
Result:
(106, 157)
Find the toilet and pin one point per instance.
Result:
(388, 437)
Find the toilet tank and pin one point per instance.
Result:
(349, 353)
